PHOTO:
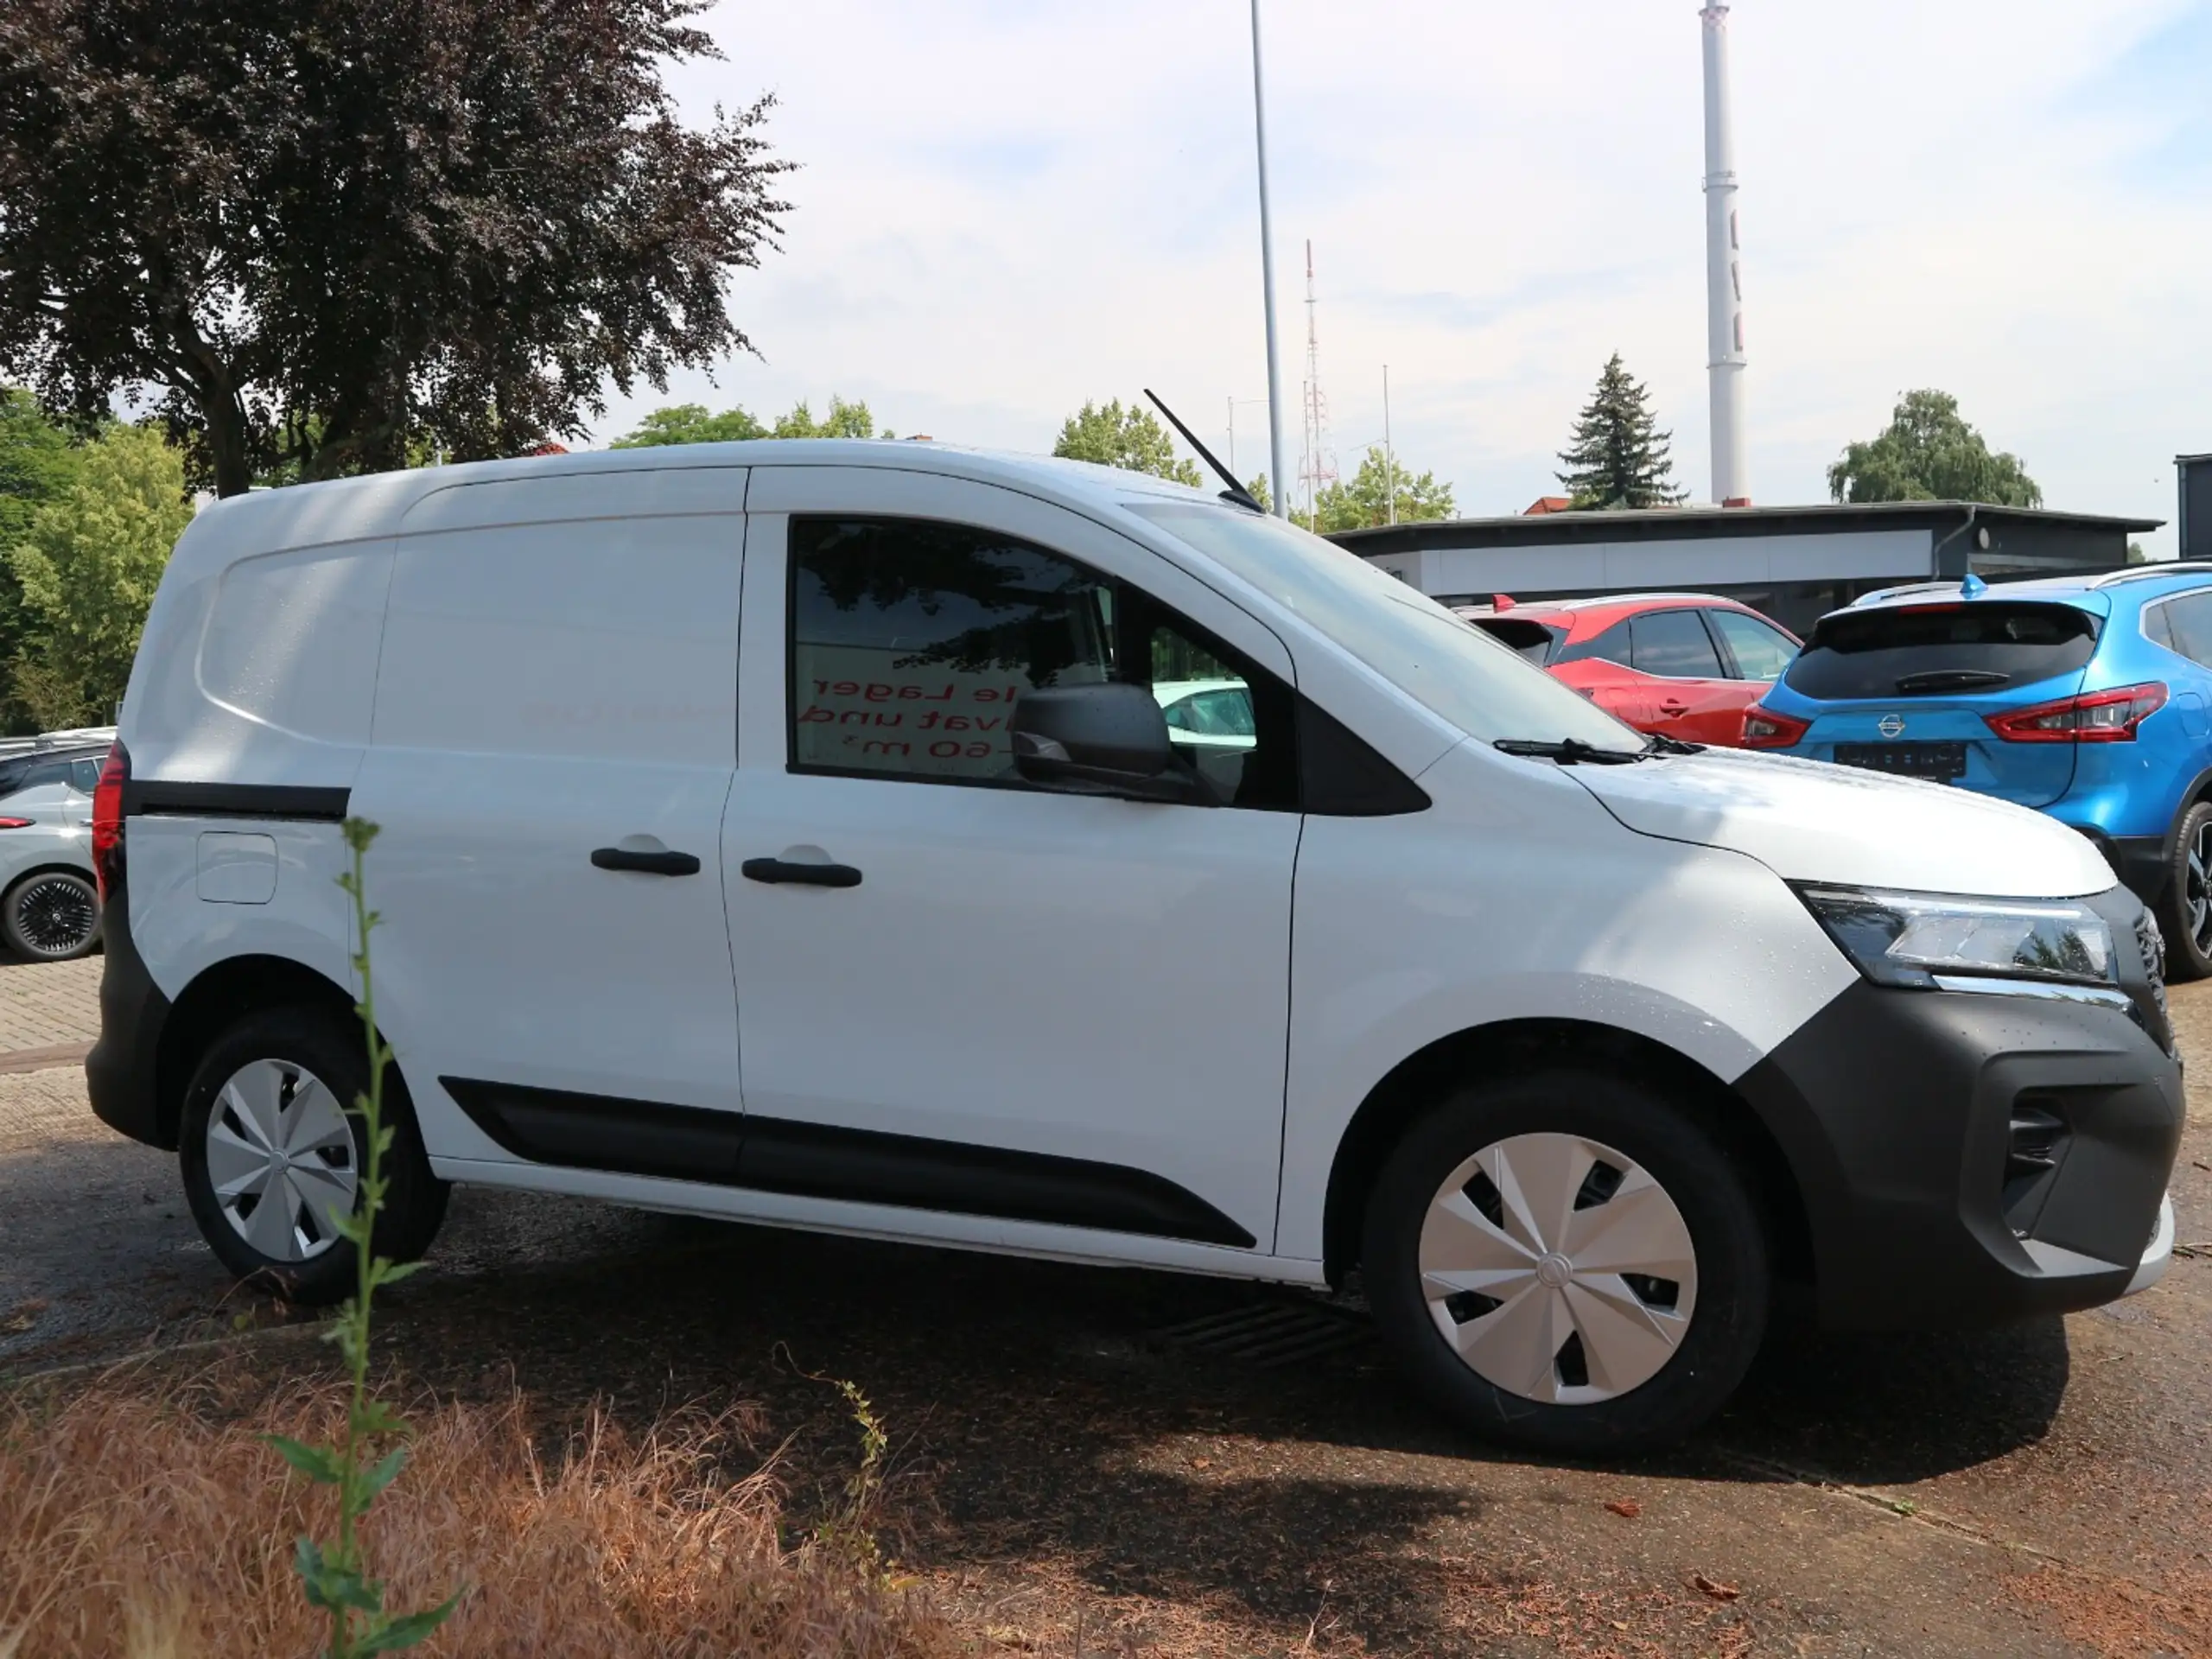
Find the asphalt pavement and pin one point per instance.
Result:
(1195, 1465)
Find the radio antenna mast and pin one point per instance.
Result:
(1317, 469)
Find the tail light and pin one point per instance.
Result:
(2094, 717)
(17, 823)
(1765, 729)
(107, 822)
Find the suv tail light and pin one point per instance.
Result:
(2094, 717)
(17, 823)
(1765, 729)
(107, 822)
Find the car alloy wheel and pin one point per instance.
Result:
(2196, 900)
(1558, 1269)
(56, 915)
(279, 1160)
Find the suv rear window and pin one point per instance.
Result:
(1525, 635)
(1942, 650)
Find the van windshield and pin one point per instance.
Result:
(1458, 672)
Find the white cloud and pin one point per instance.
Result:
(1006, 208)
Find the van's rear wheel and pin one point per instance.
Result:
(1567, 1262)
(272, 1159)
(2185, 912)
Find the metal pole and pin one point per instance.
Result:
(1723, 273)
(1281, 503)
(1389, 463)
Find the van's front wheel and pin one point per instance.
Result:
(272, 1159)
(1567, 1262)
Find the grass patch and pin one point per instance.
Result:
(139, 1522)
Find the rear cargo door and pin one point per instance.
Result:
(1907, 690)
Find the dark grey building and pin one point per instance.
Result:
(2195, 526)
(1795, 563)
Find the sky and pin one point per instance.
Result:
(1004, 207)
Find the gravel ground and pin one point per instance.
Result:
(1096, 1461)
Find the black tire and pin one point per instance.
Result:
(2184, 911)
(1697, 1170)
(51, 916)
(329, 1047)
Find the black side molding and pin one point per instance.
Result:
(688, 1143)
(157, 797)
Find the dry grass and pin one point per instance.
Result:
(144, 1524)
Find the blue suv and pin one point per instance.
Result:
(2086, 697)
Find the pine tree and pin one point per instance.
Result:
(1619, 458)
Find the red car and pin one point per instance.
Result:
(1686, 665)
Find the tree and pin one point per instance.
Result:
(690, 423)
(1128, 438)
(87, 565)
(37, 462)
(322, 233)
(1366, 499)
(844, 420)
(1928, 453)
(1618, 457)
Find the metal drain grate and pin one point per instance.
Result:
(1272, 1333)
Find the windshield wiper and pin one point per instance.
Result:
(1661, 744)
(1570, 751)
(1952, 679)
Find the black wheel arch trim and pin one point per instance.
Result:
(650, 1138)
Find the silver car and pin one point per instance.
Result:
(49, 906)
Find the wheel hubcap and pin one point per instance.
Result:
(1558, 1268)
(56, 917)
(280, 1157)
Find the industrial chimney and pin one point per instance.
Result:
(1731, 484)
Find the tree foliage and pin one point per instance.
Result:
(1928, 453)
(320, 234)
(1618, 457)
(844, 420)
(1130, 438)
(691, 423)
(1366, 499)
(37, 462)
(87, 565)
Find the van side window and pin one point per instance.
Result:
(912, 639)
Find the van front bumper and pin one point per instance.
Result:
(1967, 1159)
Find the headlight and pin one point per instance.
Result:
(1925, 939)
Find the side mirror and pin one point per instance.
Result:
(1099, 739)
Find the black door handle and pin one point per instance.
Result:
(663, 863)
(811, 875)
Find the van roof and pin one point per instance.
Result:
(375, 503)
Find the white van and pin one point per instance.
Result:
(790, 831)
